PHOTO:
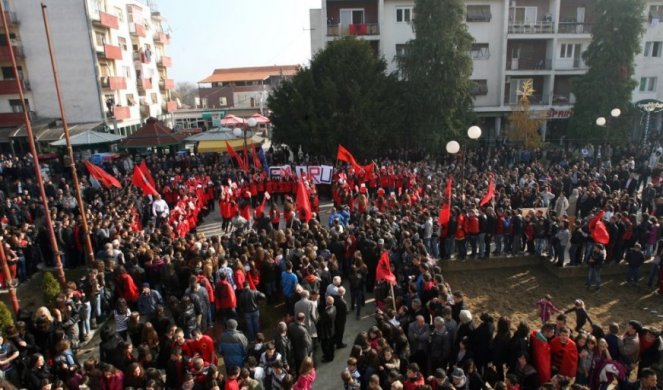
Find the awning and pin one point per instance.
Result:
(57, 133)
(220, 146)
(90, 137)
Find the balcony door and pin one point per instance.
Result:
(351, 16)
(514, 90)
(580, 19)
(524, 15)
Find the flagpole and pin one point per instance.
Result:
(393, 296)
(8, 278)
(33, 151)
(74, 175)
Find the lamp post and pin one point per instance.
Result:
(453, 147)
(603, 121)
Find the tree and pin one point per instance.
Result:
(610, 56)
(437, 67)
(187, 93)
(6, 318)
(343, 97)
(523, 123)
(51, 288)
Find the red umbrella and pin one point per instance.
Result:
(232, 120)
(260, 119)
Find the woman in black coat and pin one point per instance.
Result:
(38, 372)
(483, 337)
(519, 345)
(499, 347)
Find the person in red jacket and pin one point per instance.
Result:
(225, 299)
(203, 345)
(472, 230)
(414, 378)
(564, 354)
(126, 286)
(541, 351)
(459, 235)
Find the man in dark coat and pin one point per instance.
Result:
(341, 316)
(326, 323)
(302, 343)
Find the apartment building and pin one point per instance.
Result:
(242, 88)
(111, 58)
(515, 40)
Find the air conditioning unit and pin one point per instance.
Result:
(223, 101)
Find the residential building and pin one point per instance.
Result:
(111, 59)
(242, 88)
(515, 40)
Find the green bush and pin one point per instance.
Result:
(51, 288)
(6, 318)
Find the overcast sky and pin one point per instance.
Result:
(209, 34)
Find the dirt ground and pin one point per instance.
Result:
(514, 292)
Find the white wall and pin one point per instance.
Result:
(649, 66)
(393, 33)
(75, 59)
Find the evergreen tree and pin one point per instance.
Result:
(608, 84)
(344, 97)
(437, 66)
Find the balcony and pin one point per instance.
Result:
(112, 52)
(137, 30)
(171, 106)
(8, 119)
(165, 62)
(167, 84)
(109, 21)
(12, 20)
(5, 55)
(563, 99)
(162, 37)
(145, 84)
(360, 29)
(570, 64)
(528, 64)
(10, 87)
(540, 27)
(574, 28)
(142, 57)
(121, 112)
(114, 83)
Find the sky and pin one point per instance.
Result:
(210, 34)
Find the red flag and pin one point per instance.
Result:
(303, 204)
(597, 228)
(445, 211)
(489, 194)
(146, 171)
(344, 155)
(256, 159)
(139, 180)
(383, 271)
(104, 178)
(233, 153)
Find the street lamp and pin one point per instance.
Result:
(603, 121)
(453, 147)
(474, 132)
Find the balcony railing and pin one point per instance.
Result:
(10, 87)
(137, 29)
(121, 112)
(167, 84)
(171, 106)
(6, 56)
(529, 64)
(162, 37)
(574, 28)
(563, 99)
(11, 119)
(540, 27)
(145, 84)
(112, 52)
(109, 21)
(116, 83)
(566, 64)
(165, 62)
(337, 30)
(534, 100)
(12, 20)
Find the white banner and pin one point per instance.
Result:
(321, 174)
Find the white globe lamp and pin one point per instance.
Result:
(453, 147)
(474, 132)
(238, 132)
(600, 121)
(252, 122)
(616, 112)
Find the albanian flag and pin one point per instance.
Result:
(383, 271)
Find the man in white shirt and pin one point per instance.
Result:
(160, 210)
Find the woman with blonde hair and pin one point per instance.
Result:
(306, 375)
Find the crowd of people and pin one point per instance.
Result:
(178, 309)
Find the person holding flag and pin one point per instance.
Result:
(383, 273)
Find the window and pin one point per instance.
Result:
(122, 42)
(566, 50)
(223, 101)
(16, 106)
(480, 51)
(655, 13)
(120, 14)
(155, 97)
(648, 84)
(653, 48)
(131, 99)
(478, 13)
(126, 70)
(100, 38)
(401, 50)
(8, 72)
(479, 88)
(3, 39)
(404, 14)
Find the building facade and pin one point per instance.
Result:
(242, 88)
(111, 59)
(515, 40)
